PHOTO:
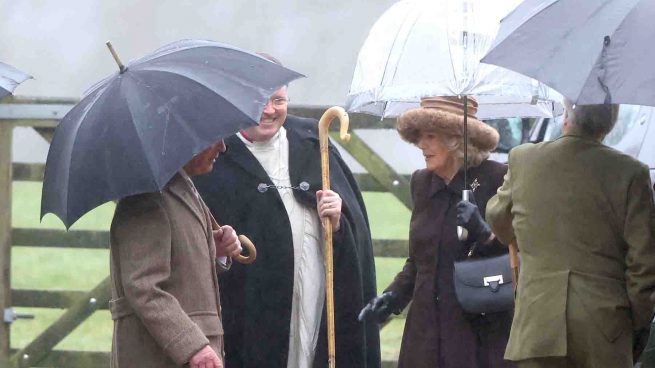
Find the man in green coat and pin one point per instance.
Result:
(583, 217)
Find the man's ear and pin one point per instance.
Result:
(566, 123)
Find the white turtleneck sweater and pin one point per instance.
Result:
(308, 266)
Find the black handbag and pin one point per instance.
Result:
(484, 285)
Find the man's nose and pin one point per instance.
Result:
(268, 108)
(221, 146)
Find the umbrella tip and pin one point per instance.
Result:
(121, 67)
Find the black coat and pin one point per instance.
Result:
(256, 299)
(438, 333)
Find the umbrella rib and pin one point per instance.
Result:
(181, 50)
(393, 46)
(198, 141)
(100, 91)
(153, 175)
(154, 68)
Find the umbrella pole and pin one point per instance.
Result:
(323, 126)
(462, 233)
(466, 140)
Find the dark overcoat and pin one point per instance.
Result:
(256, 299)
(438, 333)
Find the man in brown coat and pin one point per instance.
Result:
(583, 217)
(164, 260)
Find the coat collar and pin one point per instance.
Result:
(300, 142)
(456, 185)
(180, 187)
(239, 153)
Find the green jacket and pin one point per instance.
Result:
(583, 217)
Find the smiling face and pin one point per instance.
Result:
(274, 115)
(439, 158)
(203, 162)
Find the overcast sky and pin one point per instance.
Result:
(61, 43)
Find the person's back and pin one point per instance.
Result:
(583, 217)
(572, 197)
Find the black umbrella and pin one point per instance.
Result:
(10, 78)
(134, 130)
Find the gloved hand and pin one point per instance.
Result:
(469, 217)
(379, 308)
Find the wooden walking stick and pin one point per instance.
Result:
(514, 264)
(323, 126)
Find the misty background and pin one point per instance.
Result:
(62, 45)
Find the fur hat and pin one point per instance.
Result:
(445, 115)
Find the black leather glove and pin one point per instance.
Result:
(469, 217)
(379, 308)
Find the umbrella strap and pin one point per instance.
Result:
(603, 67)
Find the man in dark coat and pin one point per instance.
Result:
(245, 190)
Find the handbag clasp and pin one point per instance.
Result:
(493, 279)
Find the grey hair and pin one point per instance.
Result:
(455, 144)
(593, 120)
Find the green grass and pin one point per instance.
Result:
(82, 269)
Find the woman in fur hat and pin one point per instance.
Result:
(438, 333)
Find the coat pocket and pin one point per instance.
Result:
(605, 301)
(208, 322)
(539, 325)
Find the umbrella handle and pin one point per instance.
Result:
(252, 251)
(245, 242)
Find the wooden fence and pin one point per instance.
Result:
(43, 115)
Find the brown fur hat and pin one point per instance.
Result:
(445, 115)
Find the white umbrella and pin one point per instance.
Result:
(591, 51)
(424, 48)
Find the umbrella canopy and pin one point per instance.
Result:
(591, 51)
(134, 130)
(424, 48)
(10, 78)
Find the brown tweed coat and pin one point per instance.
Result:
(164, 279)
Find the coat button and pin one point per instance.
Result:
(436, 298)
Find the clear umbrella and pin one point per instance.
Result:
(432, 48)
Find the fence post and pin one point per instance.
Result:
(5, 236)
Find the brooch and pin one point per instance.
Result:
(475, 185)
